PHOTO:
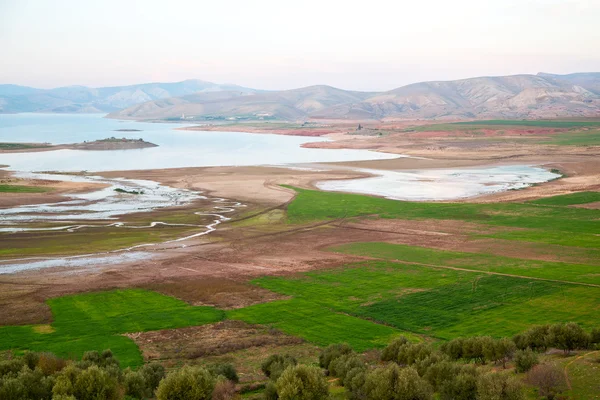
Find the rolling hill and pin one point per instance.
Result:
(518, 96)
(74, 99)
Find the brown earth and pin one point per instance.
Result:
(215, 269)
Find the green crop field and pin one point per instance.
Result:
(583, 138)
(318, 323)
(543, 224)
(96, 321)
(559, 271)
(537, 123)
(22, 189)
(569, 199)
(431, 301)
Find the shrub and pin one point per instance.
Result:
(136, 385)
(496, 386)
(187, 383)
(462, 386)
(441, 372)
(226, 370)
(270, 392)
(390, 352)
(50, 364)
(11, 366)
(395, 383)
(224, 389)
(31, 359)
(342, 365)
(94, 383)
(568, 337)
(274, 366)
(332, 352)
(525, 360)
(153, 374)
(550, 380)
(302, 382)
(536, 338)
(595, 336)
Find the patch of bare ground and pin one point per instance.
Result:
(245, 346)
(57, 191)
(219, 292)
(592, 206)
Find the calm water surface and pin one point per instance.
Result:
(176, 149)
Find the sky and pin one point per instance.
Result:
(284, 44)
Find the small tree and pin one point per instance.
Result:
(332, 352)
(390, 352)
(153, 374)
(94, 383)
(549, 380)
(395, 383)
(495, 386)
(525, 360)
(460, 387)
(568, 337)
(224, 369)
(274, 366)
(187, 383)
(302, 382)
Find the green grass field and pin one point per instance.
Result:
(544, 224)
(549, 123)
(575, 273)
(583, 138)
(569, 199)
(22, 189)
(319, 323)
(96, 321)
(436, 302)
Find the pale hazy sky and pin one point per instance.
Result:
(362, 45)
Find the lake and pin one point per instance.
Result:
(177, 148)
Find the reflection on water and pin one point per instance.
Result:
(441, 184)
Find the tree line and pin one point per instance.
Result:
(403, 371)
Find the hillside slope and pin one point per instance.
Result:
(14, 98)
(517, 96)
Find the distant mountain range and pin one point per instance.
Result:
(517, 96)
(81, 99)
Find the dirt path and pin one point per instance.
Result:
(567, 365)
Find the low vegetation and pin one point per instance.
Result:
(99, 320)
(22, 189)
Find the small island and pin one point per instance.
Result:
(111, 143)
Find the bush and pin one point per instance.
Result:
(274, 366)
(31, 359)
(525, 360)
(50, 364)
(390, 352)
(224, 389)
(395, 383)
(495, 386)
(462, 386)
(226, 370)
(302, 382)
(270, 392)
(439, 373)
(153, 374)
(342, 365)
(332, 352)
(595, 336)
(11, 367)
(187, 383)
(136, 385)
(568, 337)
(95, 383)
(550, 380)
(535, 338)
